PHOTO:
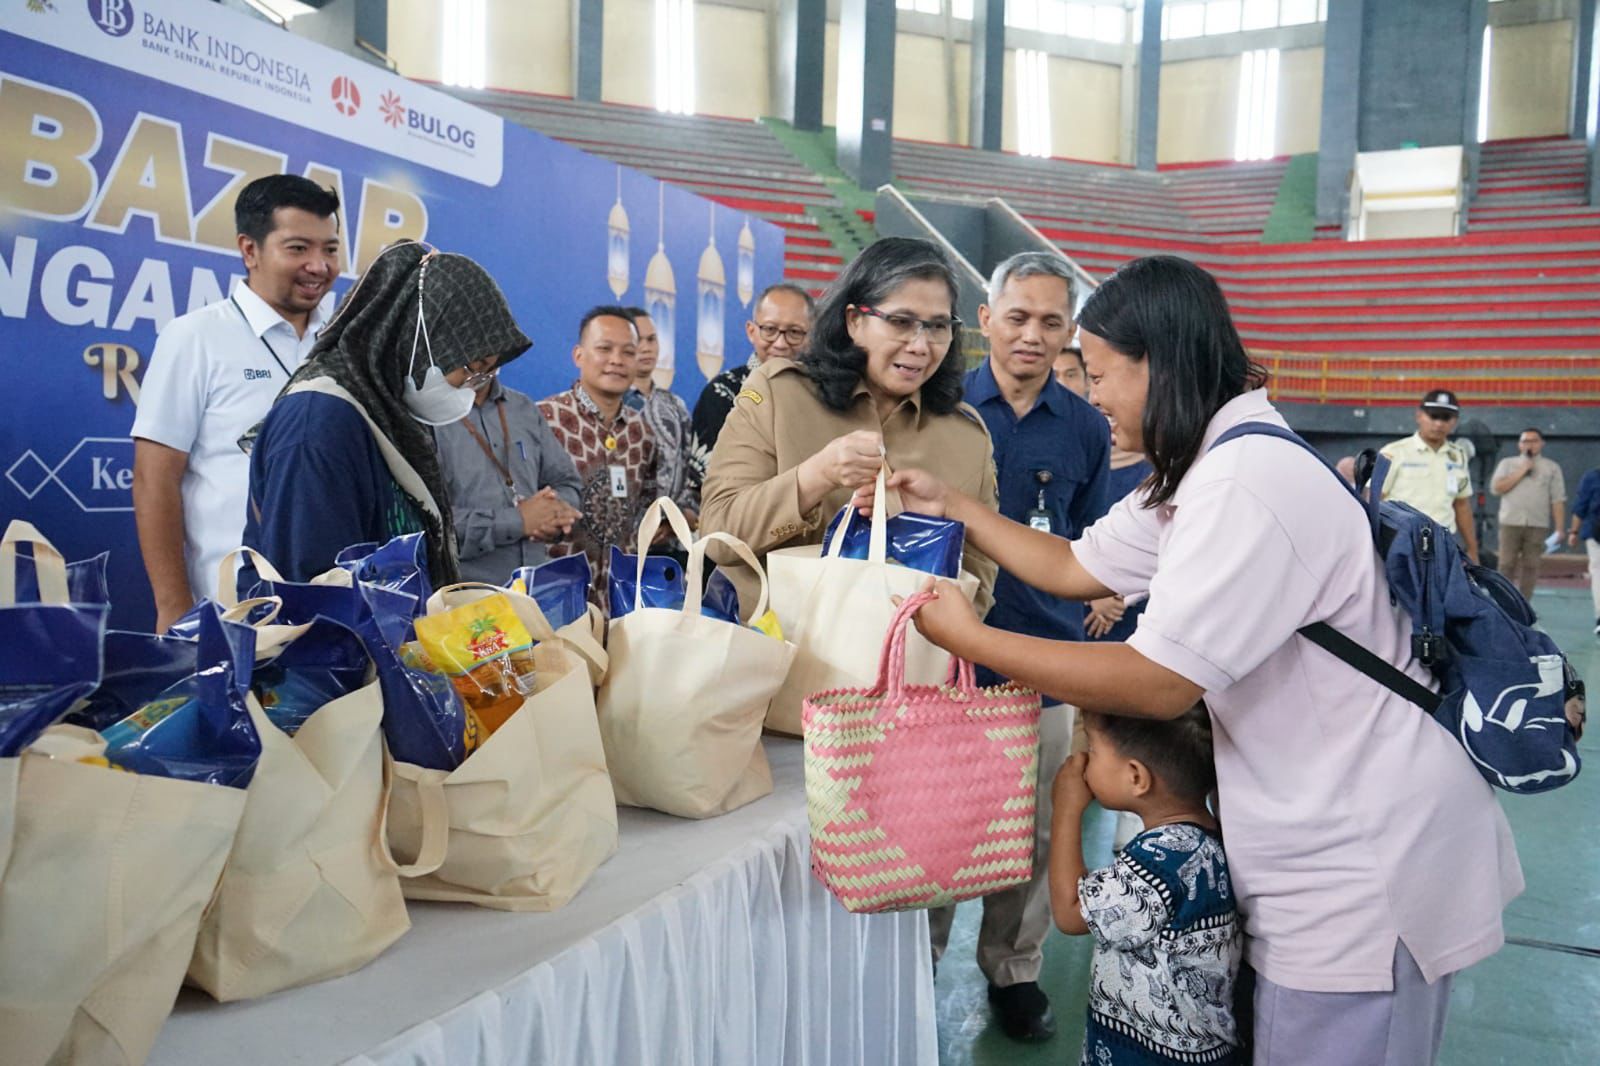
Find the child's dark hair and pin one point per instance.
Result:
(1177, 752)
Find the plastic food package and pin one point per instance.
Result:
(86, 580)
(401, 565)
(325, 663)
(664, 587)
(487, 653)
(49, 660)
(560, 587)
(139, 667)
(198, 729)
(919, 541)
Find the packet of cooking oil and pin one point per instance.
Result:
(487, 653)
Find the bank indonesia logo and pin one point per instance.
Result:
(394, 112)
(97, 474)
(346, 97)
(114, 17)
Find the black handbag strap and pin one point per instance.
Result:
(1384, 673)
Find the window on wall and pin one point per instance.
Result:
(1256, 124)
(1205, 18)
(1086, 19)
(675, 56)
(1033, 102)
(462, 49)
(1483, 86)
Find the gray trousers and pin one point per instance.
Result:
(1400, 1028)
(1016, 920)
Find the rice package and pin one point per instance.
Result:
(919, 541)
(487, 653)
(560, 587)
(323, 664)
(49, 660)
(663, 586)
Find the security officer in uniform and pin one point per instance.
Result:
(1429, 471)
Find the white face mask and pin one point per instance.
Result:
(437, 402)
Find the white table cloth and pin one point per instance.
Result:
(697, 943)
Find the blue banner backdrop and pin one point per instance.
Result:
(127, 128)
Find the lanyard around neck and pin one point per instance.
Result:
(505, 437)
(259, 337)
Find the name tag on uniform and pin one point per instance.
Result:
(1040, 520)
(619, 482)
(1452, 482)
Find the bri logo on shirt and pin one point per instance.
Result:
(256, 375)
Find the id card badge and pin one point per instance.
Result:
(1039, 517)
(619, 482)
(1040, 520)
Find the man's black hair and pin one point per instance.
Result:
(254, 210)
(1176, 751)
(606, 311)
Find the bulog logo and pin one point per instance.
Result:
(346, 97)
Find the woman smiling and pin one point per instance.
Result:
(879, 382)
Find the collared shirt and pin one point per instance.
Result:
(488, 524)
(1353, 819)
(1532, 499)
(1055, 458)
(595, 446)
(778, 422)
(212, 377)
(1428, 478)
(716, 400)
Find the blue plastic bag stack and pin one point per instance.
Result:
(663, 586)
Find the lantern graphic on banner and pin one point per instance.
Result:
(661, 297)
(747, 264)
(617, 244)
(712, 290)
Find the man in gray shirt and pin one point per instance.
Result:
(513, 487)
(1533, 500)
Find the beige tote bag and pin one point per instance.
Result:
(683, 705)
(836, 612)
(530, 815)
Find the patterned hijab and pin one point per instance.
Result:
(371, 345)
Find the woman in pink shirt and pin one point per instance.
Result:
(1370, 860)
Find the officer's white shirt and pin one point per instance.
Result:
(212, 377)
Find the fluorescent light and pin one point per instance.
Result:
(1483, 87)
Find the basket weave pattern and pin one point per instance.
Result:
(920, 795)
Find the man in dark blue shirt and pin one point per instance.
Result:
(1051, 454)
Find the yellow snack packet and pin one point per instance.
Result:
(487, 653)
(768, 624)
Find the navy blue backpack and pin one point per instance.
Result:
(1503, 685)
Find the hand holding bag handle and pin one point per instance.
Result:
(228, 585)
(48, 565)
(878, 542)
(892, 662)
(647, 535)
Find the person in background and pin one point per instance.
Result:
(1068, 370)
(877, 382)
(780, 323)
(1533, 501)
(346, 455)
(1113, 617)
(1586, 531)
(1429, 471)
(214, 374)
(1050, 456)
(1346, 466)
(609, 442)
(681, 462)
(512, 486)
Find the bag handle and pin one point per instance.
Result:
(227, 585)
(576, 637)
(648, 525)
(48, 564)
(878, 542)
(892, 662)
(694, 574)
(240, 612)
(435, 819)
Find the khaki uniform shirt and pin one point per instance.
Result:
(1429, 480)
(778, 422)
(1532, 500)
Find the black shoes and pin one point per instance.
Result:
(1023, 1011)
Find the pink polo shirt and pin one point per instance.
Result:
(1351, 818)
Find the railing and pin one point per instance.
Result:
(1362, 381)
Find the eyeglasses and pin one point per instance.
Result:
(906, 327)
(793, 334)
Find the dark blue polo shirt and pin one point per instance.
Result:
(1068, 440)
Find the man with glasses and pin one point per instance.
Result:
(1429, 471)
(513, 487)
(779, 325)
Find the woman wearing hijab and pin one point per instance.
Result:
(346, 455)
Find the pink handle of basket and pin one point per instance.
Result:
(892, 661)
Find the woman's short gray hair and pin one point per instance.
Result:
(1030, 265)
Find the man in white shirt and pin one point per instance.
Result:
(212, 377)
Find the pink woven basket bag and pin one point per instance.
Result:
(920, 795)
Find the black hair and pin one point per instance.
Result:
(607, 311)
(254, 210)
(636, 313)
(1533, 429)
(833, 361)
(788, 287)
(1173, 313)
(1076, 352)
(1177, 751)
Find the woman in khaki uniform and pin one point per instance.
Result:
(879, 382)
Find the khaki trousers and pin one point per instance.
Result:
(1016, 920)
(1521, 552)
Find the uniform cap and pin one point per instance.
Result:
(1440, 400)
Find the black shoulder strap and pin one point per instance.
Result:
(1322, 634)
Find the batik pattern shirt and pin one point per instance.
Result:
(596, 446)
(1166, 950)
(680, 461)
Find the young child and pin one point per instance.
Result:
(1166, 939)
